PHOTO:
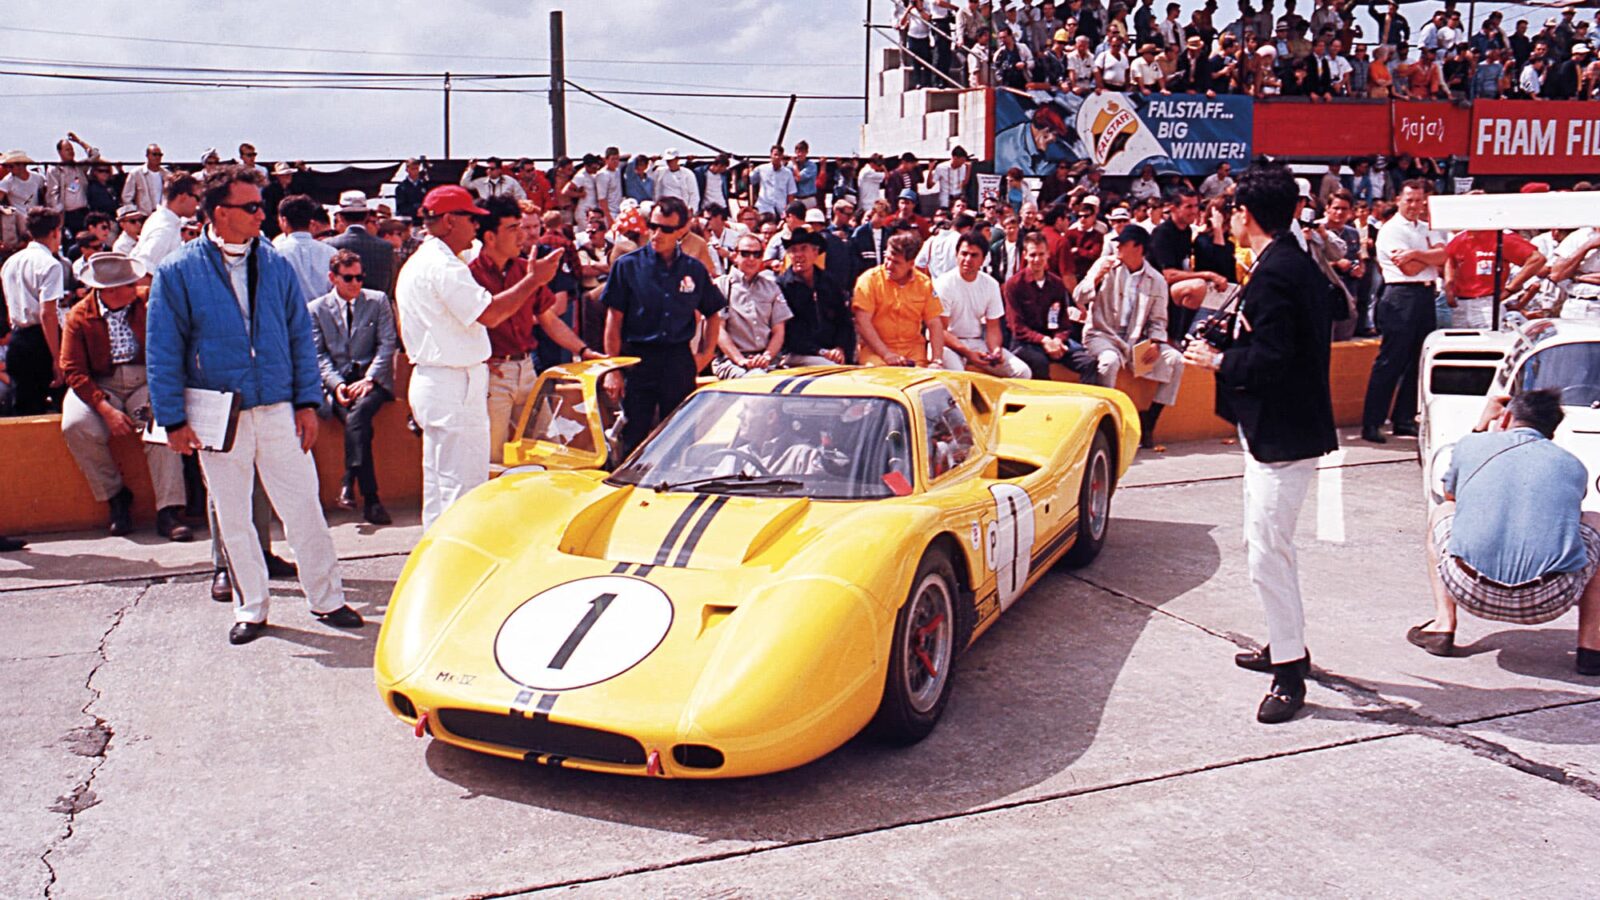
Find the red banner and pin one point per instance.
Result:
(1521, 137)
(1430, 129)
(1303, 129)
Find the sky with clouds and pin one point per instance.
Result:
(732, 46)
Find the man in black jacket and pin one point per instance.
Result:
(1272, 382)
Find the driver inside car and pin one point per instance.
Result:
(783, 446)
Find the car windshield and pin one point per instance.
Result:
(1572, 368)
(827, 448)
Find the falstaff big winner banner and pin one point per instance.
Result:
(1186, 134)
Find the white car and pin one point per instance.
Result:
(1462, 369)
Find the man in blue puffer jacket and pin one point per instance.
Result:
(227, 313)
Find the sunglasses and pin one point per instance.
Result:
(250, 209)
(750, 254)
(352, 279)
(664, 226)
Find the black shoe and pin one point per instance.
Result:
(1404, 431)
(222, 586)
(170, 525)
(245, 632)
(1439, 643)
(376, 514)
(347, 497)
(11, 545)
(1288, 692)
(121, 504)
(278, 567)
(1373, 436)
(343, 617)
(1260, 660)
(1588, 661)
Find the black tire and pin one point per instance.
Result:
(1094, 504)
(913, 696)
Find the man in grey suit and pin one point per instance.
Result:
(377, 254)
(356, 342)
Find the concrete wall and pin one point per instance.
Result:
(44, 491)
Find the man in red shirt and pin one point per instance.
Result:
(511, 343)
(1469, 274)
(1081, 243)
(534, 184)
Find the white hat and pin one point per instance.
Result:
(129, 211)
(1119, 214)
(1304, 186)
(815, 217)
(353, 201)
(109, 270)
(671, 154)
(16, 157)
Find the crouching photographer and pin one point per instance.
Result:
(1272, 382)
(1511, 542)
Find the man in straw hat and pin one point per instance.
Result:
(102, 360)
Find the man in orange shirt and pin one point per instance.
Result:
(893, 303)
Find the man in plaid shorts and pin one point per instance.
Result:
(1512, 543)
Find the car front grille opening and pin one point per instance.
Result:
(698, 756)
(542, 736)
(403, 705)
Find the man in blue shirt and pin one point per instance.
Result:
(655, 299)
(805, 175)
(1511, 542)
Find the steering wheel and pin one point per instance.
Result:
(742, 455)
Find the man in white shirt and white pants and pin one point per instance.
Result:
(445, 316)
(1409, 255)
(973, 309)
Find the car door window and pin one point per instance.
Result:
(948, 434)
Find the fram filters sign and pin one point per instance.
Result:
(1511, 137)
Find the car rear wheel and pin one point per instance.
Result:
(1094, 504)
(921, 655)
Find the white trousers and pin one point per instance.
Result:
(266, 443)
(452, 407)
(1473, 312)
(1008, 366)
(510, 385)
(1273, 494)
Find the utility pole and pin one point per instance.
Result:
(447, 115)
(866, 70)
(558, 86)
(787, 115)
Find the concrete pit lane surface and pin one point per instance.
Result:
(1099, 740)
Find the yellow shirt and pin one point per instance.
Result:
(898, 312)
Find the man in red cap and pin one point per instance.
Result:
(445, 317)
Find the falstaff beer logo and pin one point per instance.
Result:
(1114, 126)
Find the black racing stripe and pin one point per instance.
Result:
(782, 385)
(698, 531)
(800, 384)
(665, 551)
(1055, 546)
(519, 706)
(619, 568)
(644, 571)
(547, 702)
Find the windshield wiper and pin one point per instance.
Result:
(728, 483)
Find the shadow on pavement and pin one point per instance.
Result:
(1027, 702)
(334, 648)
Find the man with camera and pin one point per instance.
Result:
(1511, 542)
(1272, 382)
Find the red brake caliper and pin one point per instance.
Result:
(922, 639)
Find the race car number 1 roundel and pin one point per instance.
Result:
(582, 632)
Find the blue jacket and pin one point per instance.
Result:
(196, 334)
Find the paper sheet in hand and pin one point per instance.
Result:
(1216, 299)
(214, 416)
(1146, 354)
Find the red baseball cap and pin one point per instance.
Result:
(1535, 187)
(451, 198)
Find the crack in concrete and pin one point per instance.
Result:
(92, 741)
(68, 653)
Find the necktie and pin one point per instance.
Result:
(349, 318)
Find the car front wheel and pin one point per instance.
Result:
(1094, 504)
(920, 658)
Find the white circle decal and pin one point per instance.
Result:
(582, 632)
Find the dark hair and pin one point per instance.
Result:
(392, 226)
(220, 183)
(179, 184)
(716, 209)
(1540, 409)
(343, 258)
(965, 220)
(298, 210)
(96, 218)
(43, 221)
(1181, 193)
(497, 209)
(974, 239)
(796, 209)
(1053, 213)
(674, 206)
(1268, 191)
(1342, 194)
(1035, 238)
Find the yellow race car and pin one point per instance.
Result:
(789, 558)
